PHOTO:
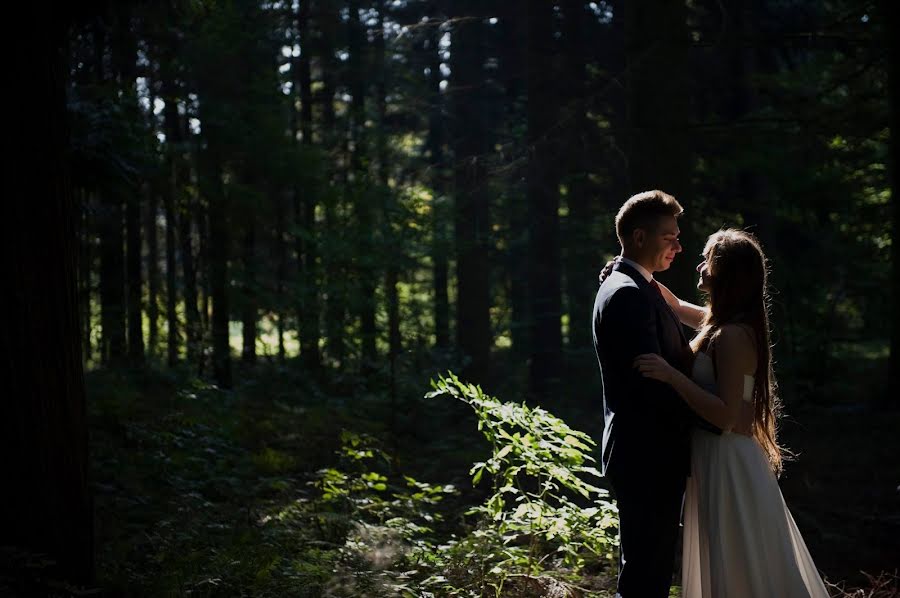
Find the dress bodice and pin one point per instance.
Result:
(704, 374)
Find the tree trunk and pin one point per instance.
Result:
(85, 266)
(249, 310)
(513, 22)
(171, 291)
(580, 249)
(656, 49)
(334, 270)
(48, 510)
(365, 270)
(112, 282)
(543, 202)
(305, 208)
(151, 232)
(112, 250)
(393, 249)
(218, 270)
(189, 275)
(125, 56)
(435, 147)
(472, 223)
(892, 32)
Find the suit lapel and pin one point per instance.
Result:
(657, 296)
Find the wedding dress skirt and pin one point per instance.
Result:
(740, 540)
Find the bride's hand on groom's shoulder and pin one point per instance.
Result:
(651, 365)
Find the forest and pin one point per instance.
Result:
(300, 291)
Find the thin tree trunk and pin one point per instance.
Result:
(333, 260)
(218, 271)
(151, 232)
(305, 207)
(112, 249)
(249, 311)
(472, 222)
(125, 56)
(435, 147)
(659, 157)
(392, 274)
(513, 22)
(365, 270)
(581, 251)
(85, 265)
(543, 202)
(189, 279)
(135, 287)
(892, 32)
(171, 290)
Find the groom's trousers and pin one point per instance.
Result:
(649, 501)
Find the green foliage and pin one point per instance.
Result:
(537, 469)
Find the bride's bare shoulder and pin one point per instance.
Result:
(736, 342)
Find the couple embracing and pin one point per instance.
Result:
(689, 430)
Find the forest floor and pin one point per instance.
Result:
(211, 493)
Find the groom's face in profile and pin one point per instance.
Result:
(659, 245)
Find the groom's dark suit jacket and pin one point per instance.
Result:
(645, 421)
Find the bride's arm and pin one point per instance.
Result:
(689, 314)
(732, 360)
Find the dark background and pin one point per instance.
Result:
(244, 227)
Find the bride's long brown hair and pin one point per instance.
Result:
(738, 294)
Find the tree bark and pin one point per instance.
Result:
(151, 231)
(656, 48)
(892, 32)
(543, 201)
(305, 206)
(47, 509)
(580, 249)
(472, 222)
(365, 217)
(435, 147)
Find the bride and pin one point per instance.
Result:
(740, 539)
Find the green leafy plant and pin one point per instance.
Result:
(543, 506)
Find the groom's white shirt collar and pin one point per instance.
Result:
(644, 272)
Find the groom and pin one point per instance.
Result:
(645, 438)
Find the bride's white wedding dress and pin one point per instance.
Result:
(740, 540)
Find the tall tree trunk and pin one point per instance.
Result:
(393, 248)
(249, 310)
(151, 232)
(543, 201)
(440, 251)
(513, 22)
(47, 510)
(125, 56)
(472, 222)
(135, 287)
(112, 282)
(334, 270)
(112, 249)
(85, 266)
(171, 290)
(581, 251)
(280, 272)
(892, 32)
(218, 269)
(362, 195)
(656, 49)
(189, 275)
(305, 205)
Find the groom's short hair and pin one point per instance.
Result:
(643, 210)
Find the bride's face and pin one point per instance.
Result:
(703, 269)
